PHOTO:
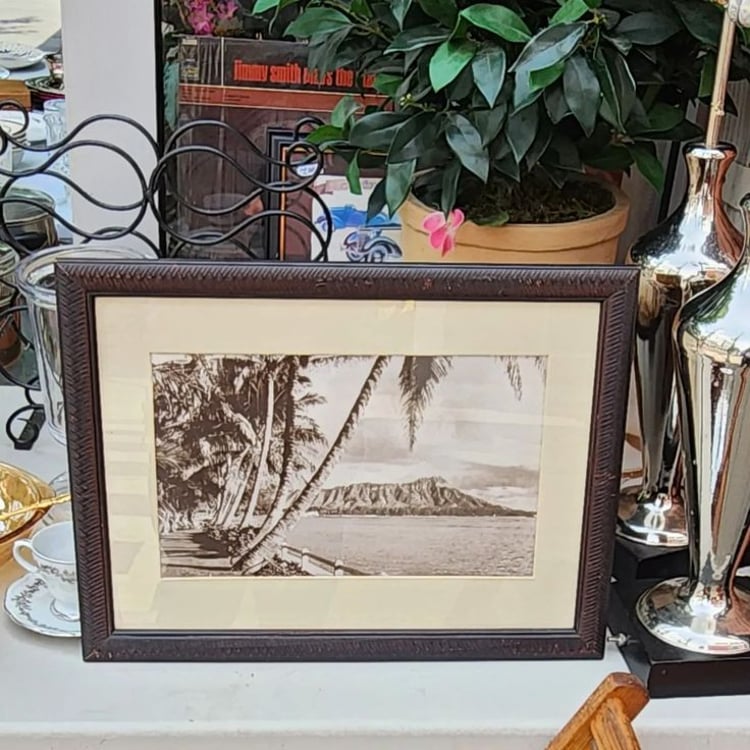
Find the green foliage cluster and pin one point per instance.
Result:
(531, 91)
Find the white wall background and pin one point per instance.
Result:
(110, 67)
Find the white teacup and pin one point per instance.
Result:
(53, 552)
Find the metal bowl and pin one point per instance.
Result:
(19, 489)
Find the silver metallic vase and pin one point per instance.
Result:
(705, 612)
(693, 249)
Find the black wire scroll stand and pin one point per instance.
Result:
(301, 163)
(157, 193)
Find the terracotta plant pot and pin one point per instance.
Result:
(590, 241)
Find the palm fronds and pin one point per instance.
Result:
(417, 379)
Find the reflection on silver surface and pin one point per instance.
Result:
(706, 612)
(35, 276)
(692, 250)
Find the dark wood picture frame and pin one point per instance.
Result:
(79, 284)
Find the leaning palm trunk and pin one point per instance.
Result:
(270, 536)
(260, 473)
(290, 412)
(238, 476)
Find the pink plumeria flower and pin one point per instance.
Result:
(201, 17)
(442, 229)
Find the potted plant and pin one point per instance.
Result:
(497, 122)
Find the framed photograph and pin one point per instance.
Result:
(346, 461)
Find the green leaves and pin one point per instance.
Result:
(346, 107)
(387, 83)
(661, 118)
(444, 11)
(449, 60)
(325, 134)
(352, 176)
(399, 9)
(498, 220)
(499, 20)
(702, 19)
(398, 179)
(521, 130)
(647, 28)
(570, 10)
(611, 158)
(449, 187)
(376, 131)
(524, 92)
(417, 38)
(618, 88)
(316, 21)
(648, 165)
(556, 104)
(489, 122)
(376, 202)
(540, 79)
(563, 154)
(414, 138)
(361, 8)
(466, 143)
(488, 68)
(541, 141)
(504, 92)
(261, 6)
(582, 92)
(551, 46)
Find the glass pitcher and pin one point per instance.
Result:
(35, 276)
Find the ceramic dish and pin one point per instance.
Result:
(4, 73)
(28, 603)
(17, 490)
(18, 56)
(45, 88)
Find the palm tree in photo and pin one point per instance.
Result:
(209, 406)
(274, 530)
(418, 378)
(220, 426)
(291, 437)
(264, 448)
(258, 433)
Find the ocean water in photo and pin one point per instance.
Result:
(414, 546)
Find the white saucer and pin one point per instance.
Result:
(18, 56)
(4, 73)
(29, 604)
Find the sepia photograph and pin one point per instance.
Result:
(326, 465)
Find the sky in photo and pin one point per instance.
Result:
(474, 428)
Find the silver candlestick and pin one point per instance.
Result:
(704, 612)
(693, 249)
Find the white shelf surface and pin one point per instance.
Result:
(51, 700)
